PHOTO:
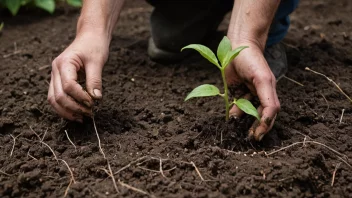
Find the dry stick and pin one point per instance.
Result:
(14, 142)
(343, 111)
(339, 155)
(290, 79)
(195, 167)
(70, 140)
(337, 86)
(102, 152)
(128, 165)
(334, 174)
(134, 188)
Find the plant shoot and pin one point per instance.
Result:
(225, 55)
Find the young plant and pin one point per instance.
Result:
(225, 55)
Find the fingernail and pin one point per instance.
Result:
(87, 104)
(250, 133)
(97, 93)
(234, 116)
(261, 137)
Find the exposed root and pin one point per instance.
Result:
(102, 152)
(70, 141)
(333, 82)
(134, 188)
(290, 79)
(334, 174)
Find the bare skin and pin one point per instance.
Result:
(250, 23)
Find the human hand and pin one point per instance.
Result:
(251, 68)
(87, 53)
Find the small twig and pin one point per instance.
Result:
(334, 174)
(327, 104)
(310, 109)
(339, 155)
(195, 167)
(330, 80)
(128, 165)
(40, 139)
(70, 170)
(68, 188)
(31, 155)
(343, 111)
(102, 152)
(99, 142)
(70, 140)
(13, 145)
(44, 134)
(290, 79)
(134, 188)
(57, 159)
(161, 167)
(2, 172)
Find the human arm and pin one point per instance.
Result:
(88, 53)
(249, 26)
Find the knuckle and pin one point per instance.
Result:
(59, 97)
(67, 86)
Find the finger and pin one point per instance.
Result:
(93, 80)
(68, 73)
(236, 112)
(266, 93)
(58, 109)
(255, 124)
(66, 102)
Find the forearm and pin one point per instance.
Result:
(99, 17)
(251, 20)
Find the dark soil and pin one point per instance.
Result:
(143, 117)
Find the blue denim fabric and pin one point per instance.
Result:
(281, 22)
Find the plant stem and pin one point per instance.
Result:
(226, 94)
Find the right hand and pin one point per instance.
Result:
(87, 53)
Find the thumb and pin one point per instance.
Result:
(93, 81)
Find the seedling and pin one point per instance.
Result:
(225, 55)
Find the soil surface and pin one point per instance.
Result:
(156, 144)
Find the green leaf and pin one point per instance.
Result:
(75, 3)
(205, 52)
(203, 91)
(47, 5)
(13, 6)
(223, 48)
(231, 55)
(247, 107)
(1, 26)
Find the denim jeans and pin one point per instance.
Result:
(199, 16)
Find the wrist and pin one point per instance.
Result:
(85, 28)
